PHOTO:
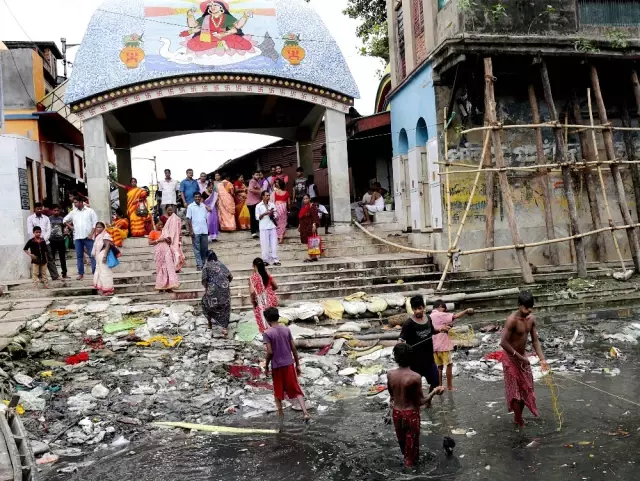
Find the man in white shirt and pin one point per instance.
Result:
(266, 215)
(84, 221)
(323, 214)
(168, 187)
(197, 215)
(42, 221)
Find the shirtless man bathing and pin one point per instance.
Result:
(405, 388)
(518, 378)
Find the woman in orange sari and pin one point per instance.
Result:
(168, 253)
(243, 217)
(226, 206)
(140, 222)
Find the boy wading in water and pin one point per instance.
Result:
(518, 378)
(405, 388)
(282, 354)
(418, 332)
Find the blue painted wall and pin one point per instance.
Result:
(414, 101)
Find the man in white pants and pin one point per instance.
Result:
(266, 215)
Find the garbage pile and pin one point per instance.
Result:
(95, 376)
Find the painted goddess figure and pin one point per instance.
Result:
(217, 31)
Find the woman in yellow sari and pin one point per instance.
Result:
(242, 210)
(226, 206)
(140, 223)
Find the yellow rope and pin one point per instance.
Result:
(555, 405)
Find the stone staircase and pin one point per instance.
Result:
(352, 262)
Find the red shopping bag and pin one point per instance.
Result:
(314, 245)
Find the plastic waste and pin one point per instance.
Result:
(333, 309)
(77, 358)
(23, 379)
(124, 325)
(162, 340)
(349, 327)
(119, 442)
(376, 305)
(349, 371)
(99, 391)
(394, 300)
(354, 308)
(48, 458)
(19, 408)
(247, 330)
(365, 380)
(31, 400)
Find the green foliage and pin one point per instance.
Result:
(466, 6)
(497, 12)
(618, 38)
(372, 30)
(585, 46)
(113, 172)
(550, 10)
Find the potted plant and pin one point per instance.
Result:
(388, 202)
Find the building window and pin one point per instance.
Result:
(615, 13)
(442, 3)
(80, 161)
(400, 35)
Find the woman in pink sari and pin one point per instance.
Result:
(281, 199)
(226, 206)
(262, 289)
(168, 253)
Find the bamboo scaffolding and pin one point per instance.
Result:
(452, 247)
(483, 250)
(603, 185)
(554, 257)
(448, 186)
(505, 188)
(631, 154)
(592, 195)
(549, 125)
(607, 135)
(559, 165)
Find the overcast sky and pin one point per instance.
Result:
(49, 20)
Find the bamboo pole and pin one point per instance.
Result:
(548, 125)
(588, 155)
(571, 165)
(485, 148)
(607, 134)
(581, 258)
(483, 250)
(490, 102)
(448, 185)
(603, 185)
(636, 89)
(631, 154)
(489, 210)
(544, 178)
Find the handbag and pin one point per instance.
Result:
(142, 210)
(112, 260)
(314, 245)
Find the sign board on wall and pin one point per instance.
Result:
(24, 188)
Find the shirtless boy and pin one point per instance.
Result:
(518, 378)
(405, 388)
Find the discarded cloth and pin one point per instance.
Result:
(161, 339)
(333, 309)
(77, 358)
(124, 325)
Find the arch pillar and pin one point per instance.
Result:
(95, 141)
(125, 172)
(338, 165)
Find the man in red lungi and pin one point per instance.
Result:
(282, 354)
(405, 388)
(518, 378)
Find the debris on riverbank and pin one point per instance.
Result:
(95, 377)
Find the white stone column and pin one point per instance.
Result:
(398, 175)
(305, 156)
(123, 165)
(338, 164)
(95, 148)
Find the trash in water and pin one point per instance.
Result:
(215, 429)
(47, 459)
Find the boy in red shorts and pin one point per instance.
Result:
(405, 388)
(282, 354)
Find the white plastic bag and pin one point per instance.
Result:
(354, 308)
(376, 305)
(394, 300)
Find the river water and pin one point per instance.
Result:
(600, 439)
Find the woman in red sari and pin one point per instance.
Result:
(282, 201)
(261, 288)
(243, 218)
(309, 222)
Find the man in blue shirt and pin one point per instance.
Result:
(198, 229)
(188, 187)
